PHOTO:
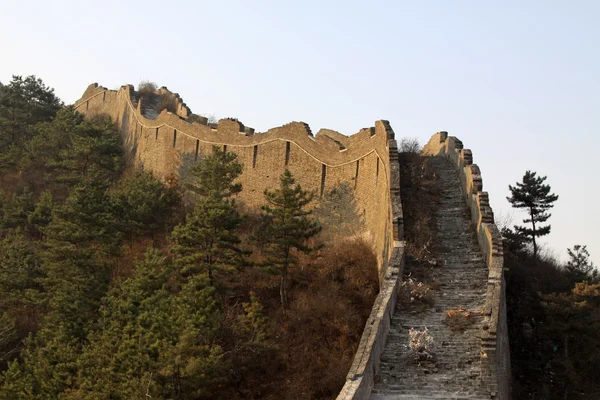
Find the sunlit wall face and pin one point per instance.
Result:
(517, 82)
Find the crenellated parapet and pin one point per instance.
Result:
(495, 354)
(170, 143)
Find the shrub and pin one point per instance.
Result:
(409, 145)
(147, 89)
(458, 319)
(421, 344)
(416, 295)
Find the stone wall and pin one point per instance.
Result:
(170, 143)
(360, 378)
(495, 353)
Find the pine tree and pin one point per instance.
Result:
(80, 241)
(153, 340)
(534, 196)
(17, 210)
(207, 241)
(215, 174)
(23, 103)
(20, 274)
(41, 216)
(579, 264)
(289, 227)
(71, 149)
(142, 205)
(572, 325)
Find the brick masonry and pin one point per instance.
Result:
(168, 143)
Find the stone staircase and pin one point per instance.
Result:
(455, 371)
(148, 106)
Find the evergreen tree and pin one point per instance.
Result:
(579, 264)
(207, 241)
(153, 340)
(215, 174)
(534, 196)
(21, 292)
(16, 211)
(72, 148)
(41, 215)
(80, 241)
(20, 275)
(289, 226)
(572, 326)
(142, 205)
(23, 103)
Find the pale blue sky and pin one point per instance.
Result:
(517, 81)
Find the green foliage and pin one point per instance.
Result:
(579, 264)
(142, 205)
(15, 212)
(573, 325)
(512, 240)
(72, 149)
(153, 340)
(46, 369)
(20, 274)
(80, 240)
(534, 196)
(253, 321)
(41, 215)
(288, 227)
(7, 336)
(23, 103)
(207, 241)
(215, 174)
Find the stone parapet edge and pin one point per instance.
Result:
(360, 378)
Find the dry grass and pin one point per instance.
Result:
(420, 195)
(331, 295)
(458, 319)
(417, 296)
(147, 89)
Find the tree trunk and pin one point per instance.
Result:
(533, 234)
(566, 394)
(283, 289)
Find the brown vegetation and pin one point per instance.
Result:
(331, 296)
(458, 319)
(420, 194)
(416, 296)
(147, 89)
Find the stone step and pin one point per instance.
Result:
(462, 276)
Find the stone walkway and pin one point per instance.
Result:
(454, 373)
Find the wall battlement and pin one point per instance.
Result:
(170, 143)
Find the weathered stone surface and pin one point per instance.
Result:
(455, 372)
(168, 143)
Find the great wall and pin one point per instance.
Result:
(471, 365)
